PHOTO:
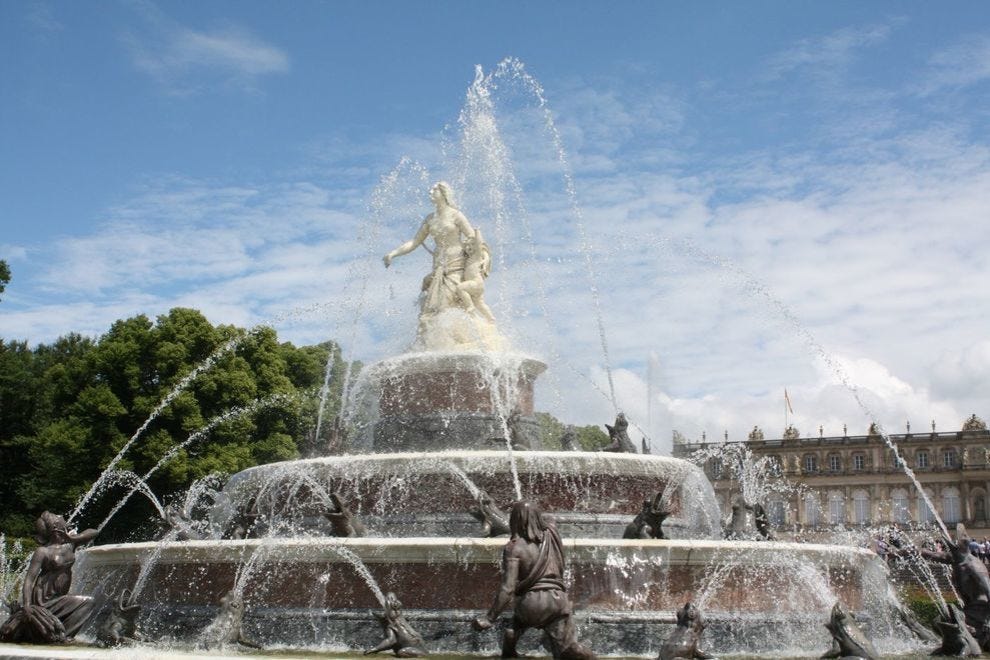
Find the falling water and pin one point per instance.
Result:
(514, 68)
(149, 562)
(325, 390)
(203, 432)
(361, 569)
(502, 376)
(12, 567)
(466, 480)
(178, 389)
(140, 485)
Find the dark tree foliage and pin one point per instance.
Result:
(68, 408)
(4, 275)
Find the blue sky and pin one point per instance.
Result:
(731, 162)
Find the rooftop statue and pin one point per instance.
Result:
(974, 423)
(456, 281)
(47, 614)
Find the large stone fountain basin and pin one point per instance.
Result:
(303, 592)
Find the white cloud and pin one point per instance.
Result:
(11, 253)
(963, 64)
(182, 59)
(828, 52)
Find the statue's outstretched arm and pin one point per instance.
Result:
(83, 537)
(410, 245)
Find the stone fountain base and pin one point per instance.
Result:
(302, 593)
(445, 400)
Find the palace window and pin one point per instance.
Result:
(949, 458)
(716, 468)
(922, 459)
(811, 512)
(950, 506)
(900, 511)
(836, 508)
(861, 507)
(834, 463)
(810, 463)
(774, 468)
(859, 462)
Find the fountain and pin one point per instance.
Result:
(300, 554)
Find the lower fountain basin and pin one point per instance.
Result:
(303, 592)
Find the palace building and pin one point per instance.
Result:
(854, 481)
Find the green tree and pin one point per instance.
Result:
(68, 408)
(4, 275)
(589, 438)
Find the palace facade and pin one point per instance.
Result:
(855, 481)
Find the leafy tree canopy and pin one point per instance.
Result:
(68, 408)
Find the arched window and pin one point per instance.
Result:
(950, 505)
(834, 463)
(861, 507)
(900, 507)
(810, 463)
(811, 510)
(836, 508)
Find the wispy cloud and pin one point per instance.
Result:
(826, 54)
(961, 65)
(185, 60)
(41, 16)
